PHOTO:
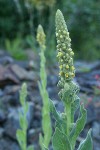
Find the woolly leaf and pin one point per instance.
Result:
(74, 107)
(41, 140)
(54, 112)
(60, 120)
(87, 143)
(26, 107)
(78, 127)
(45, 148)
(21, 120)
(46, 125)
(60, 141)
(30, 147)
(23, 94)
(20, 137)
(40, 88)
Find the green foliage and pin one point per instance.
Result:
(30, 40)
(86, 144)
(46, 121)
(66, 129)
(15, 48)
(96, 90)
(22, 132)
(60, 141)
(82, 17)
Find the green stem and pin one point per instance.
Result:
(68, 114)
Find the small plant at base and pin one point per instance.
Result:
(22, 132)
(67, 130)
(46, 121)
(15, 48)
(31, 42)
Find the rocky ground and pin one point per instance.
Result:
(14, 73)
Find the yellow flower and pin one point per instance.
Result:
(72, 68)
(59, 54)
(60, 66)
(71, 53)
(61, 36)
(67, 66)
(60, 73)
(66, 75)
(73, 74)
(56, 34)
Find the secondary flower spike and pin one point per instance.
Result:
(65, 53)
(41, 37)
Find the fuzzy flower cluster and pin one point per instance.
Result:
(65, 53)
(41, 38)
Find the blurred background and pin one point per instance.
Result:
(19, 62)
(20, 18)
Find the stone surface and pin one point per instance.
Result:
(6, 77)
(2, 116)
(7, 144)
(22, 74)
(14, 73)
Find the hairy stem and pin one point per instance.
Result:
(68, 113)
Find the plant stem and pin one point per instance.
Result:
(68, 114)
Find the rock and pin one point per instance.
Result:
(6, 77)
(2, 116)
(27, 65)
(6, 60)
(14, 99)
(7, 144)
(96, 130)
(82, 66)
(60, 107)
(88, 80)
(12, 123)
(52, 80)
(91, 115)
(53, 92)
(85, 89)
(11, 93)
(6, 100)
(30, 114)
(1, 132)
(36, 123)
(22, 74)
(1, 93)
(11, 89)
(33, 135)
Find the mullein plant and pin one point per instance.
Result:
(67, 129)
(23, 122)
(44, 139)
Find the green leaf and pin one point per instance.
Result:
(87, 143)
(41, 140)
(46, 126)
(40, 89)
(74, 107)
(26, 107)
(60, 121)
(54, 112)
(20, 137)
(44, 147)
(21, 120)
(23, 94)
(30, 147)
(78, 127)
(60, 141)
